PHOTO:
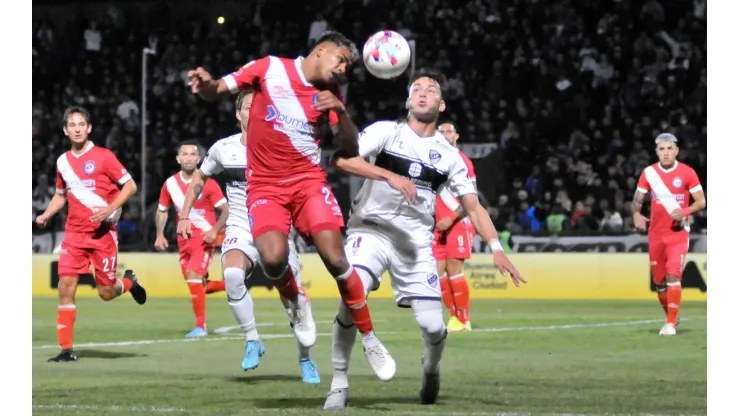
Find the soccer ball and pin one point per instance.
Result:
(386, 54)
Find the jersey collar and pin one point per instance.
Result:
(87, 148)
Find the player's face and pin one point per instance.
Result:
(448, 130)
(188, 157)
(667, 152)
(425, 100)
(333, 62)
(242, 114)
(77, 128)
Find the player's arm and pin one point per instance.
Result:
(58, 201)
(219, 201)
(118, 174)
(127, 191)
(195, 189)
(371, 142)
(165, 201)
(697, 193)
(210, 89)
(643, 187)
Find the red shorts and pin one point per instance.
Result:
(308, 205)
(667, 255)
(81, 250)
(195, 255)
(456, 243)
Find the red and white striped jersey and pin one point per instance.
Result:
(284, 131)
(203, 213)
(90, 180)
(669, 189)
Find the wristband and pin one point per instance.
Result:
(685, 212)
(183, 219)
(495, 245)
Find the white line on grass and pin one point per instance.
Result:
(280, 336)
(156, 409)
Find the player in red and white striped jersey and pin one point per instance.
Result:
(88, 178)
(453, 240)
(670, 183)
(196, 252)
(294, 99)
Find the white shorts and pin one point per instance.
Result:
(238, 238)
(413, 272)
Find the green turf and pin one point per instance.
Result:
(574, 367)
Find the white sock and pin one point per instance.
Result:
(343, 339)
(240, 301)
(304, 353)
(430, 318)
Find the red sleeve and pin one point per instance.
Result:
(61, 186)
(247, 76)
(165, 200)
(214, 194)
(642, 184)
(692, 181)
(469, 165)
(114, 169)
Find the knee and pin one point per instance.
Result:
(431, 322)
(235, 286)
(274, 259)
(66, 289)
(106, 292)
(670, 278)
(336, 263)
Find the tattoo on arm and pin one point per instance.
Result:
(637, 202)
(161, 222)
(197, 189)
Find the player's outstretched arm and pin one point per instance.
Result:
(484, 226)
(195, 188)
(203, 84)
(360, 167)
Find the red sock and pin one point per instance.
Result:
(127, 283)
(353, 294)
(198, 297)
(213, 286)
(66, 315)
(447, 297)
(663, 298)
(461, 294)
(287, 286)
(674, 302)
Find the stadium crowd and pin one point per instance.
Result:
(569, 94)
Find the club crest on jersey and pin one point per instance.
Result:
(432, 279)
(89, 167)
(415, 170)
(434, 156)
(677, 183)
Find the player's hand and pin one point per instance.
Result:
(161, 243)
(506, 268)
(102, 214)
(209, 237)
(42, 220)
(185, 228)
(404, 186)
(198, 77)
(326, 100)
(445, 223)
(677, 214)
(640, 221)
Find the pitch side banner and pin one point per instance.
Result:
(601, 244)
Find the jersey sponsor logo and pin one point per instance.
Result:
(421, 174)
(659, 196)
(677, 183)
(434, 156)
(288, 123)
(85, 183)
(89, 167)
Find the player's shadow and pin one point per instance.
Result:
(367, 403)
(681, 332)
(253, 379)
(106, 355)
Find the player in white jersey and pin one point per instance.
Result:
(239, 256)
(391, 230)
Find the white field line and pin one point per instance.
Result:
(288, 335)
(157, 409)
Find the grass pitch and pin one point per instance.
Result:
(523, 358)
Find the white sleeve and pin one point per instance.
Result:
(375, 137)
(212, 163)
(458, 180)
